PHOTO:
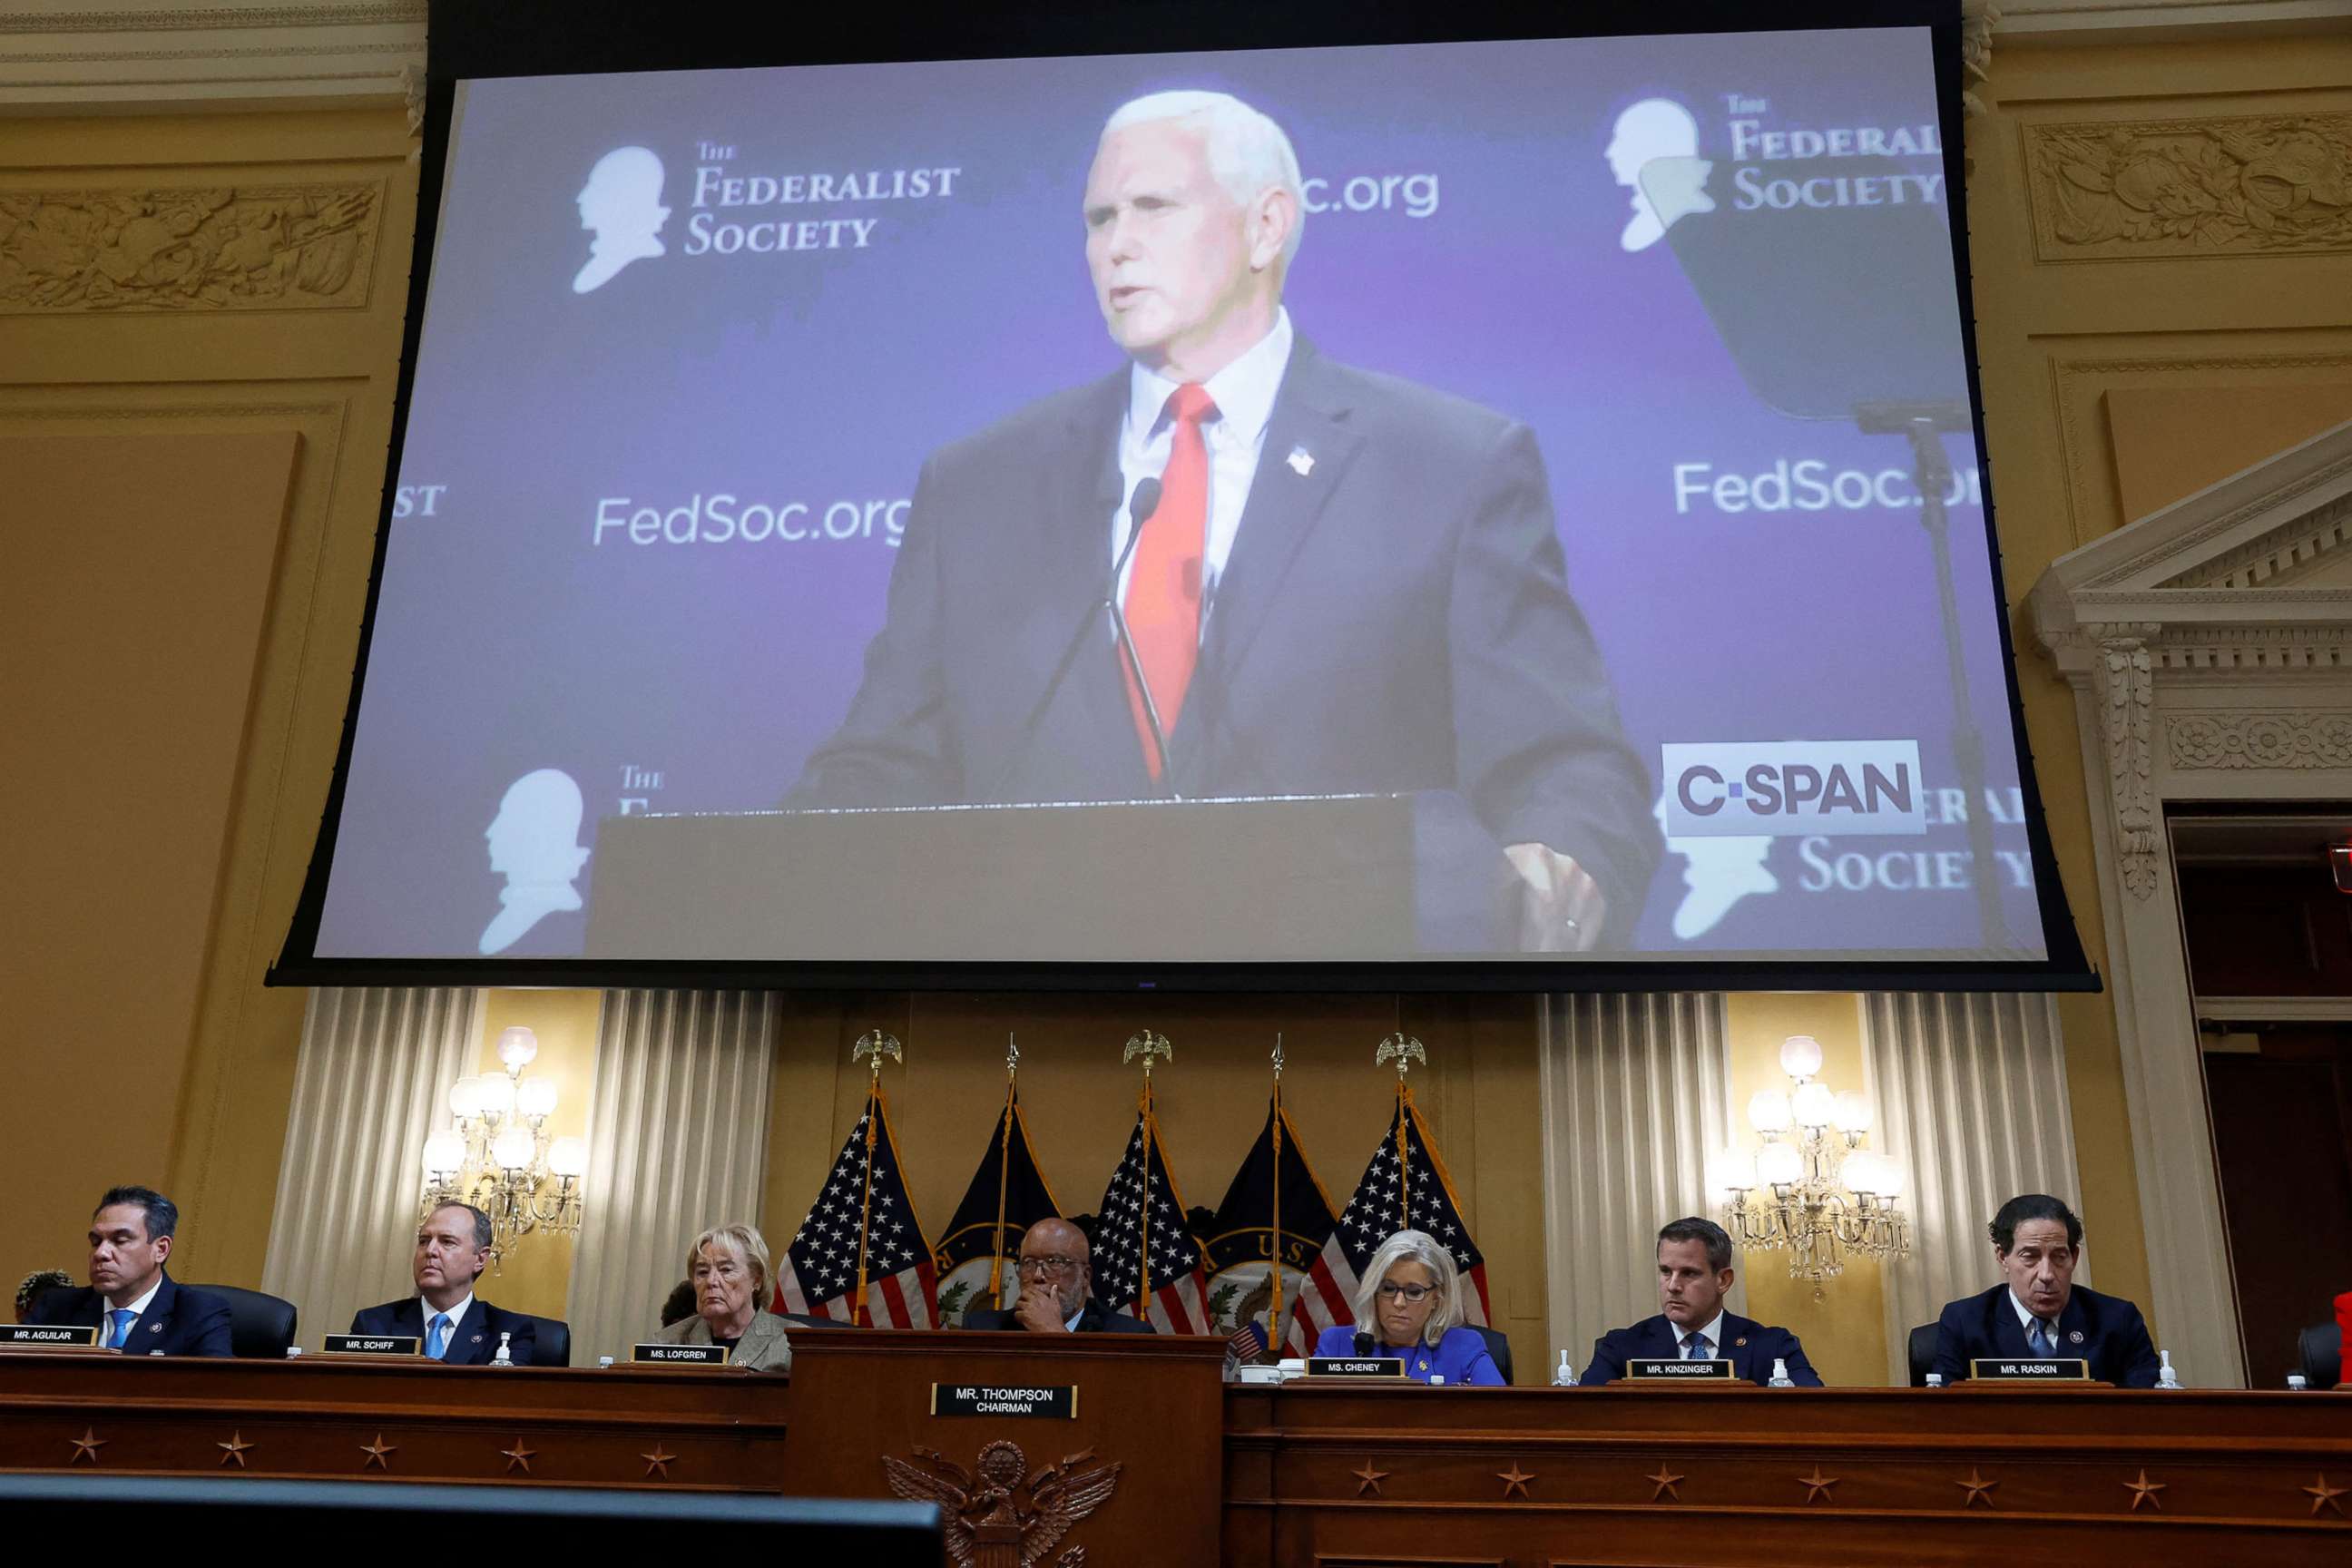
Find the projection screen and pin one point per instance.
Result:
(1509, 504)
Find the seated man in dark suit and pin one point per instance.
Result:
(136, 1307)
(1694, 1272)
(1056, 1289)
(2040, 1311)
(453, 1247)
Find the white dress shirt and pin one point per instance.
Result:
(1714, 1333)
(456, 1314)
(138, 1309)
(1243, 392)
(2026, 1319)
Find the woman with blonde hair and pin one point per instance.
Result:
(1409, 1305)
(728, 1267)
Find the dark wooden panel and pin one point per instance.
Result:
(2279, 1140)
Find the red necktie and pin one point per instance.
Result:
(1163, 585)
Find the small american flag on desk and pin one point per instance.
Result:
(819, 1276)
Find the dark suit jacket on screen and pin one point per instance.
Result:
(1092, 1319)
(473, 1339)
(2105, 1330)
(178, 1322)
(1752, 1348)
(1394, 618)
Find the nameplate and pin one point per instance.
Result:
(1355, 1367)
(1056, 1402)
(1674, 1369)
(42, 1336)
(662, 1353)
(373, 1344)
(2031, 1369)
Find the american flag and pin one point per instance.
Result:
(1407, 1192)
(820, 1273)
(1142, 1200)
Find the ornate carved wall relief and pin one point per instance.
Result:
(210, 248)
(2259, 186)
(2285, 739)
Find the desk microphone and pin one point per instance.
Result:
(1364, 1346)
(1139, 509)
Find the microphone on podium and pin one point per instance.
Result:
(1364, 1346)
(1140, 508)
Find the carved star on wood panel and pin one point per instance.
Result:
(658, 1461)
(1977, 1488)
(2324, 1496)
(235, 1448)
(1368, 1479)
(1515, 1479)
(379, 1454)
(1665, 1482)
(519, 1457)
(2144, 1490)
(1816, 1484)
(87, 1445)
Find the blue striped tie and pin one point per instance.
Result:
(123, 1318)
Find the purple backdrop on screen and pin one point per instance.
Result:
(1469, 239)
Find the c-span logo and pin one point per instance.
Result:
(1723, 789)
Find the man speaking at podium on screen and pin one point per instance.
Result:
(1331, 581)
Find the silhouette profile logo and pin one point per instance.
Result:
(621, 204)
(534, 845)
(1653, 152)
(1717, 874)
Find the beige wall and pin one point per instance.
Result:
(537, 1273)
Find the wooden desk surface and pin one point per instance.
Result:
(1534, 1478)
(1311, 1477)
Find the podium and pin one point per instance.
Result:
(1293, 878)
(1111, 1440)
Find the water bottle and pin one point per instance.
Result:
(2165, 1376)
(293, 1350)
(1563, 1375)
(603, 1361)
(1435, 1381)
(2296, 1382)
(1935, 1380)
(503, 1357)
(1781, 1378)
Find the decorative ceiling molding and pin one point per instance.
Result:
(74, 58)
(2113, 21)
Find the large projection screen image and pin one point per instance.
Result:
(1492, 501)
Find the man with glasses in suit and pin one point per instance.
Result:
(1056, 1289)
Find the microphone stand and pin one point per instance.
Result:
(1139, 511)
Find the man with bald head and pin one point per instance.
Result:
(1056, 1289)
(1332, 581)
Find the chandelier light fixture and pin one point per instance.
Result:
(1811, 1189)
(498, 1156)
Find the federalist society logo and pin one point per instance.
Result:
(1654, 150)
(1787, 788)
(736, 213)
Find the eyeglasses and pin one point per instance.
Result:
(1054, 1265)
(1413, 1295)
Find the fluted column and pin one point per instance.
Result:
(1635, 1099)
(678, 1140)
(376, 1063)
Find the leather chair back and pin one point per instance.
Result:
(259, 1327)
(1921, 1353)
(2319, 1354)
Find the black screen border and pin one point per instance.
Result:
(469, 39)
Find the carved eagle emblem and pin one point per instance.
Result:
(1000, 1514)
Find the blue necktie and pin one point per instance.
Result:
(2036, 1340)
(123, 1318)
(1698, 1347)
(436, 1339)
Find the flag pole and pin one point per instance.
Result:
(876, 1045)
(1404, 1050)
(1273, 1313)
(1004, 1171)
(1147, 1046)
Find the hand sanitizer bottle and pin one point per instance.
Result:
(1563, 1375)
(504, 1357)
(2166, 1377)
(1780, 1376)
(2296, 1382)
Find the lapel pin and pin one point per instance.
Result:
(154, 1328)
(478, 1338)
(1740, 1344)
(2074, 1337)
(1301, 461)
